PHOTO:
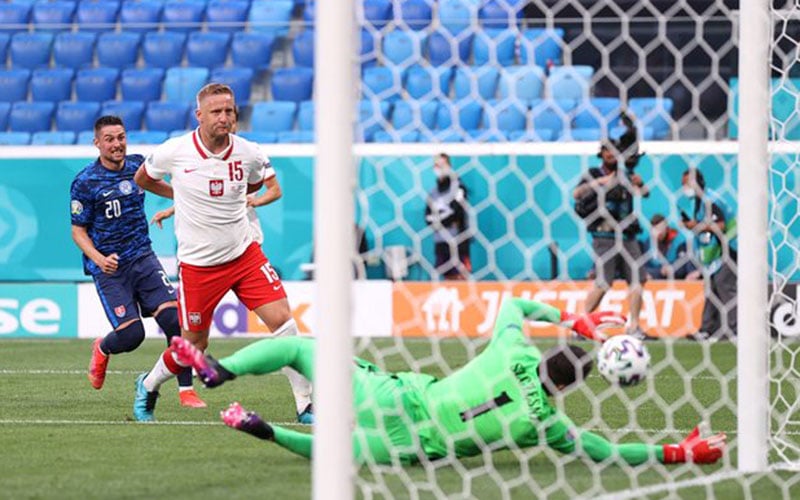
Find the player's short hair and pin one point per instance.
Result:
(564, 365)
(107, 121)
(213, 89)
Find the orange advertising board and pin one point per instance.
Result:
(470, 308)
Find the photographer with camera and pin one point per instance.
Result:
(604, 198)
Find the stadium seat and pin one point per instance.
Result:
(475, 81)
(166, 116)
(240, 80)
(597, 112)
(141, 84)
(131, 112)
(467, 114)
(227, 15)
(31, 116)
(415, 114)
(31, 50)
(179, 133)
(376, 12)
(118, 50)
(74, 50)
(207, 50)
(498, 14)
(303, 48)
(5, 110)
(305, 116)
(309, 13)
(484, 136)
(296, 136)
(52, 17)
(507, 115)
(439, 49)
(182, 17)
(273, 116)
(549, 115)
(457, 15)
(292, 84)
(146, 136)
(383, 136)
(182, 84)
(141, 16)
(367, 53)
(15, 138)
(14, 83)
(260, 137)
(570, 82)
(163, 50)
(85, 138)
(76, 116)
(534, 135)
(96, 16)
(5, 40)
(373, 115)
(381, 82)
(14, 17)
(401, 47)
(586, 134)
(521, 82)
(60, 138)
(655, 113)
(495, 46)
(252, 50)
(416, 14)
(271, 17)
(419, 81)
(96, 84)
(541, 46)
(52, 84)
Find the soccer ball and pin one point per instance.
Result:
(623, 360)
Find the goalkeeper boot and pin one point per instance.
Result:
(208, 369)
(307, 415)
(190, 399)
(98, 365)
(144, 401)
(240, 419)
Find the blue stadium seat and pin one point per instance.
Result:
(416, 14)
(303, 48)
(296, 136)
(521, 82)
(547, 114)
(97, 16)
(227, 15)
(373, 116)
(402, 47)
(541, 46)
(179, 133)
(383, 136)
(597, 112)
(146, 136)
(376, 12)
(415, 114)
(52, 84)
(381, 82)
(260, 137)
(166, 116)
(141, 16)
(182, 84)
(457, 15)
(163, 50)
(118, 50)
(309, 13)
(208, 50)
(31, 116)
(96, 84)
(466, 113)
(14, 17)
(74, 50)
(498, 14)
(569, 82)
(484, 136)
(131, 112)
(495, 46)
(85, 138)
(292, 84)
(271, 17)
(273, 116)
(448, 136)
(60, 138)
(76, 116)
(52, 17)
(5, 41)
(587, 134)
(367, 53)
(5, 110)
(240, 80)
(439, 49)
(507, 115)
(15, 138)
(31, 50)
(305, 116)
(141, 84)
(182, 17)
(419, 81)
(14, 83)
(531, 135)
(252, 50)
(474, 81)
(655, 113)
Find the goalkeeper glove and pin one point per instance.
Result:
(590, 325)
(695, 449)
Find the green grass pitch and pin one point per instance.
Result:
(59, 438)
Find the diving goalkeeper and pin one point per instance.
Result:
(497, 400)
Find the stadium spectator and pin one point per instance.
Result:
(447, 212)
(666, 251)
(110, 227)
(713, 224)
(212, 171)
(500, 399)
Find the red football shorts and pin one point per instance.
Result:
(250, 276)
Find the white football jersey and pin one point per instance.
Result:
(210, 191)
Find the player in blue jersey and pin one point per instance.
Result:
(110, 227)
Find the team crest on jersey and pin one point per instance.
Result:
(195, 318)
(216, 187)
(76, 207)
(119, 311)
(126, 187)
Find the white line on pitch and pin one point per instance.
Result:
(671, 487)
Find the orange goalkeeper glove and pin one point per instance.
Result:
(591, 325)
(695, 449)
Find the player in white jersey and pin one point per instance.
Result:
(212, 171)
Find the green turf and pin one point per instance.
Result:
(61, 439)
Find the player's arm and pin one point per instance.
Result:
(272, 193)
(107, 263)
(156, 186)
(162, 215)
(515, 311)
(692, 449)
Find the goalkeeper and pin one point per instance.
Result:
(497, 400)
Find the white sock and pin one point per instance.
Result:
(301, 387)
(160, 373)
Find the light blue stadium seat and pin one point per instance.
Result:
(30, 50)
(252, 50)
(377, 12)
(309, 13)
(475, 81)
(96, 84)
(14, 17)
(207, 50)
(166, 116)
(76, 116)
(541, 46)
(52, 84)
(586, 134)
(457, 15)
(448, 136)
(439, 49)
(534, 135)
(418, 82)
(85, 138)
(273, 116)
(292, 84)
(140, 16)
(296, 136)
(96, 16)
(409, 136)
(547, 114)
(59, 138)
(305, 116)
(495, 46)
(146, 136)
(499, 14)
(74, 50)
(52, 17)
(373, 115)
(654, 113)
(381, 82)
(415, 114)
(521, 82)
(5, 110)
(14, 83)
(15, 138)
(368, 56)
(5, 41)
(271, 17)
(303, 48)
(118, 50)
(31, 116)
(466, 113)
(131, 112)
(402, 47)
(506, 115)
(484, 135)
(570, 82)
(260, 137)
(141, 84)
(183, 17)
(227, 15)
(240, 80)
(179, 133)
(163, 50)
(597, 112)
(416, 14)
(182, 84)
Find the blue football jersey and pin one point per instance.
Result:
(110, 206)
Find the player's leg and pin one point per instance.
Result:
(250, 422)
(605, 267)
(726, 291)
(709, 323)
(167, 318)
(635, 274)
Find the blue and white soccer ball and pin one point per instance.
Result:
(623, 360)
